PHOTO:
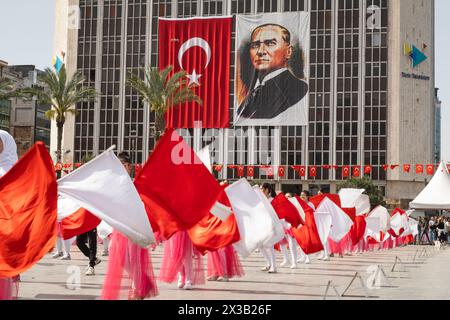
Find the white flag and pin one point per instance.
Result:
(66, 207)
(349, 197)
(255, 222)
(340, 221)
(104, 188)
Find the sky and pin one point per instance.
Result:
(27, 27)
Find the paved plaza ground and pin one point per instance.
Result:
(421, 272)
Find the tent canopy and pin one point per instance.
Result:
(436, 195)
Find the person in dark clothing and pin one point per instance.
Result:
(91, 251)
(424, 231)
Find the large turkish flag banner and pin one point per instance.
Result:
(201, 47)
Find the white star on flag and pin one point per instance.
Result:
(193, 78)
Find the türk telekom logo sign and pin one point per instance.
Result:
(415, 55)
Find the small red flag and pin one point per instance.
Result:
(367, 169)
(302, 171)
(345, 171)
(58, 166)
(385, 167)
(281, 171)
(394, 166)
(419, 168)
(430, 169)
(218, 167)
(250, 171)
(313, 171)
(356, 172)
(240, 171)
(407, 168)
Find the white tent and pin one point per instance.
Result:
(436, 195)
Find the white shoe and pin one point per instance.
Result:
(307, 261)
(90, 271)
(224, 279)
(66, 256)
(272, 270)
(212, 278)
(57, 255)
(188, 285)
(300, 260)
(293, 266)
(266, 268)
(284, 264)
(97, 261)
(180, 282)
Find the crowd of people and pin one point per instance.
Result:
(130, 268)
(432, 230)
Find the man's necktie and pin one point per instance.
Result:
(250, 107)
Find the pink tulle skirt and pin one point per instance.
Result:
(181, 256)
(342, 247)
(9, 289)
(130, 271)
(224, 263)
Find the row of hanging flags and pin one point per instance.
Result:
(168, 196)
(301, 171)
(271, 59)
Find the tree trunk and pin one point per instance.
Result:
(160, 125)
(60, 126)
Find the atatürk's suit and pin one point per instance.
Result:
(273, 97)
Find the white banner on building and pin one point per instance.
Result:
(272, 69)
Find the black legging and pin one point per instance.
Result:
(91, 251)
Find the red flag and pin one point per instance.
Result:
(302, 171)
(419, 168)
(218, 167)
(326, 167)
(28, 201)
(286, 210)
(367, 169)
(58, 166)
(281, 171)
(407, 168)
(385, 167)
(358, 229)
(345, 171)
(240, 171)
(356, 172)
(307, 236)
(77, 165)
(176, 187)
(250, 171)
(313, 171)
(394, 166)
(78, 223)
(430, 169)
(202, 48)
(211, 233)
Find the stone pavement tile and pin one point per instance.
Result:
(54, 278)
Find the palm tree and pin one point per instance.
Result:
(62, 93)
(162, 92)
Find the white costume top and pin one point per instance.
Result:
(8, 157)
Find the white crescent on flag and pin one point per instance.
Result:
(194, 42)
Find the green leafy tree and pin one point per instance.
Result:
(374, 193)
(62, 93)
(162, 91)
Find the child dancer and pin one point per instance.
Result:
(130, 268)
(181, 261)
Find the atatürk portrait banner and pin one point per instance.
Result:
(272, 69)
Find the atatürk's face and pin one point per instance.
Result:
(268, 50)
